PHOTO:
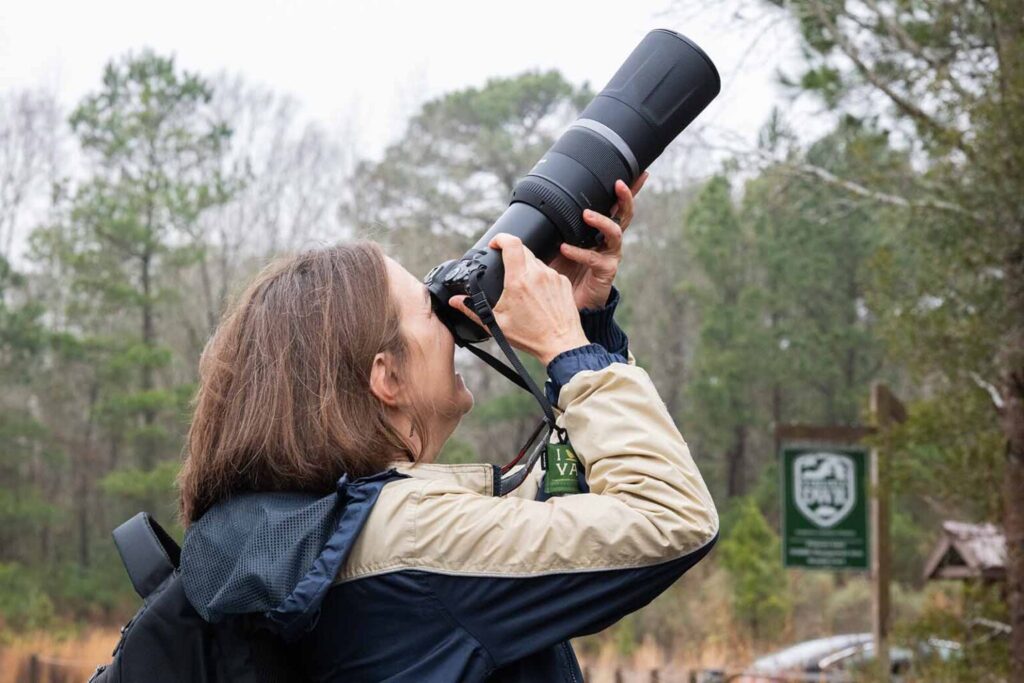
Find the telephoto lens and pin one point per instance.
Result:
(661, 87)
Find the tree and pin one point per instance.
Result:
(445, 181)
(815, 254)
(152, 147)
(655, 275)
(25, 449)
(451, 174)
(290, 177)
(750, 552)
(784, 334)
(951, 78)
(30, 160)
(726, 365)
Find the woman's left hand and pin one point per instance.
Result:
(591, 271)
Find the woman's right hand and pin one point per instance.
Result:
(536, 311)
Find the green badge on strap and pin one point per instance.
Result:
(562, 467)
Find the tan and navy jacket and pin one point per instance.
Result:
(426, 575)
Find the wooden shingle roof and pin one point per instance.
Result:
(968, 551)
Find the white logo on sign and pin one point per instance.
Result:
(825, 487)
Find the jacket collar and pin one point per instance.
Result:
(477, 477)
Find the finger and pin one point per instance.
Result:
(458, 302)
(513, 253)
(625, 203)
(639, 184)
(606, 226)
(601, 264)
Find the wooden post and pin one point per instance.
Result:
(886, 410)
(34, 670)
(655, 676)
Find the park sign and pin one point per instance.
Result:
(825, 506)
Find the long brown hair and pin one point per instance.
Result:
(284, 402)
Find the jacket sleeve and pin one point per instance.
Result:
(520, 575)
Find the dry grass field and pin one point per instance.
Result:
(72, 657)
(76, 655)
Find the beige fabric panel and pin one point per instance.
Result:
(648, 502)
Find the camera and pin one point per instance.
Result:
(661, 87)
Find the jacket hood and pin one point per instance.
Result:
(275, 554)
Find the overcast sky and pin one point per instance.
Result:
(367, 65)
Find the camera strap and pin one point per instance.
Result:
(505, 370)
(521, 377)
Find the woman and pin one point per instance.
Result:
(332, 383)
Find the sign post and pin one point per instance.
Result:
(836, 507)
(886, 410)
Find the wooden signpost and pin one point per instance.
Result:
(886, 410)
(826, 522)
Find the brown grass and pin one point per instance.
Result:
(603, 660)
(77, 654)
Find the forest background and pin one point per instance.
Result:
(771, 287)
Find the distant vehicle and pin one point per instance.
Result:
(836, 659)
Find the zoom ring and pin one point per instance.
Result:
(559, 209)
(596, 155)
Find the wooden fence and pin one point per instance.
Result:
(44, 669)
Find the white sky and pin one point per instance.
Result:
(367, 65)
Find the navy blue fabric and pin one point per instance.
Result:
(565, 365)
(407, 625)
(414, 625)
(274, 554)
(297, 614)
(608, 344)
(512, 618)
(390, 628)
(600, 327)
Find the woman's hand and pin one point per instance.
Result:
(591, 272)
(536, 310)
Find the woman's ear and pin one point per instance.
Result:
(384, 382)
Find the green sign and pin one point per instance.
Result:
(825, 506)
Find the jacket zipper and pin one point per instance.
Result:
(568, 661)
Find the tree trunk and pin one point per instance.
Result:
(1010, 49)
(776, 404)
(1013, 526)
(736, 463)
(1012, 371)
(676, 361)
(146, 454)
(86, 463)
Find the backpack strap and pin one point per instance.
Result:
(149, 554)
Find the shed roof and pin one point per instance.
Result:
(968, 551)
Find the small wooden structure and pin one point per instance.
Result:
(968, 551)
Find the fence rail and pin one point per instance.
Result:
(677, 675)
(46, 669)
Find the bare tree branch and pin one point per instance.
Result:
(993, 390)
(811, 170)
(901, 102)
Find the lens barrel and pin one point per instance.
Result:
(659, 90)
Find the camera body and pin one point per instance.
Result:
(661, 87)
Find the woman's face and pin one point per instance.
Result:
(435, 387)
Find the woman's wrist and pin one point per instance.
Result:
(560, 346)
